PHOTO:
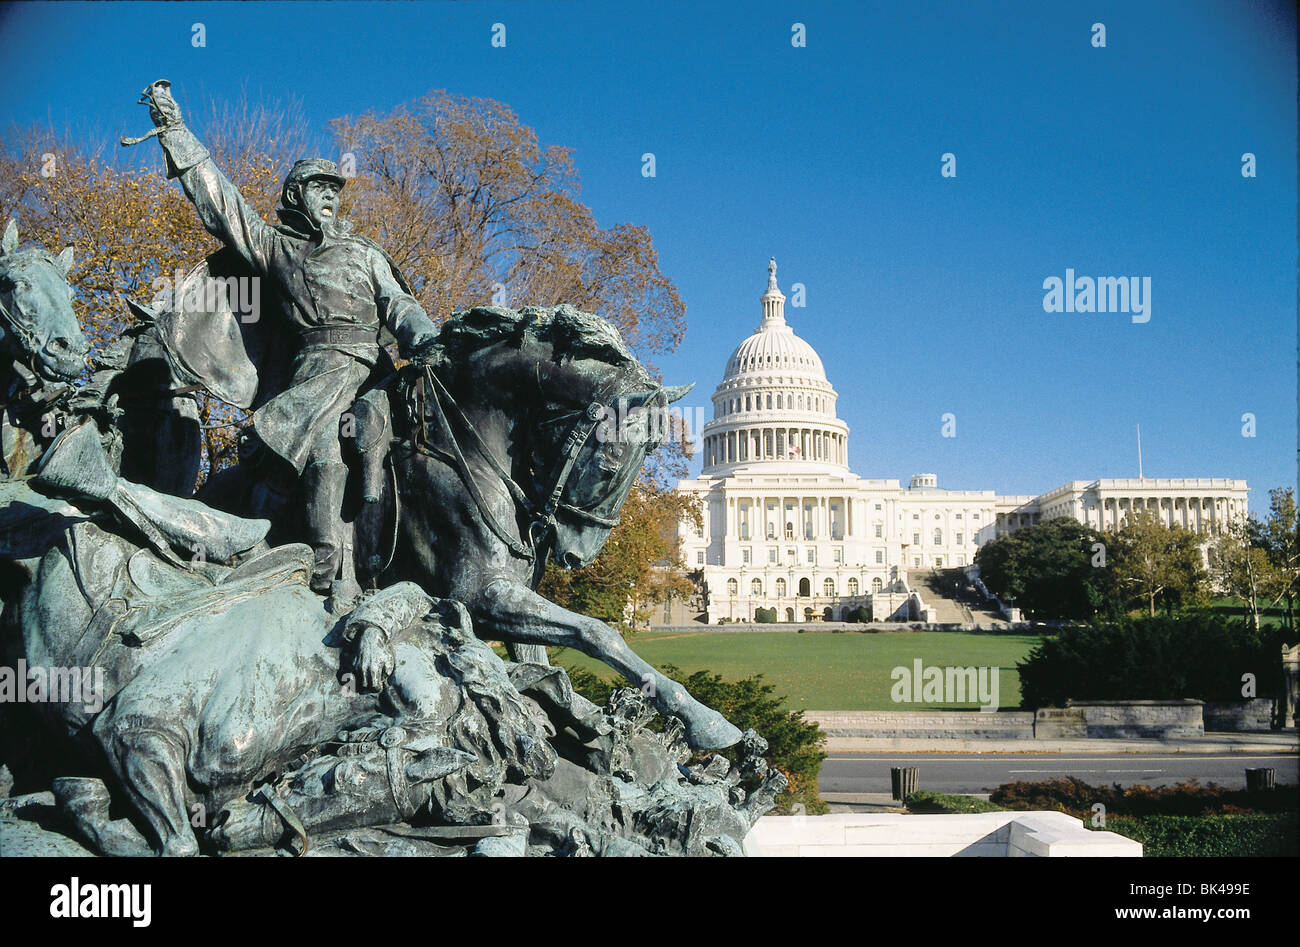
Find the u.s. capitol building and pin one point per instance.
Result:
(788, 526)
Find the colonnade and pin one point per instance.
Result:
(775, 443)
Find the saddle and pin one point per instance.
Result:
(151, 598)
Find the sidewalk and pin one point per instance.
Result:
(1276, 742)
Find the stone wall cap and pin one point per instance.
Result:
(1177, 702)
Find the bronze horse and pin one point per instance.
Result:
(198, 704)
(517, 439)
(529, 429)
(42, 348)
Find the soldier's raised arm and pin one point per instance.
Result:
(222, 209)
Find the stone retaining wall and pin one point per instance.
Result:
(857, 628)
(1128, 719)
(925, 725)
(1242, 716)
(1150, 719)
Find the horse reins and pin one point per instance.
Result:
(432, 390)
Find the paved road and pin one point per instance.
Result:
(869, 772)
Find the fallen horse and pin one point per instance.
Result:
(232, 693)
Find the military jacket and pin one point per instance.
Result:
(333, 280)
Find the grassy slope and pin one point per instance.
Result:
(825, 671)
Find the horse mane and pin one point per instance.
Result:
(570, 333)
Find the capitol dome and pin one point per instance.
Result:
(774, 405)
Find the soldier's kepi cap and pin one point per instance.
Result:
(310, 169)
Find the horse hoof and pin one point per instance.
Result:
(711, 732)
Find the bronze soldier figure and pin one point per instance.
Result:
(338, 289)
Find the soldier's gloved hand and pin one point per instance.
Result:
(374, 660)
(423, 353)
(162, 107)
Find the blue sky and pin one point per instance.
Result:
(924, 294)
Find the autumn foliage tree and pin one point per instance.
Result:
(474, 210)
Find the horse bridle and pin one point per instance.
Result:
(24, 333)
(429, 387)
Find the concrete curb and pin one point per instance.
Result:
(1227, 743)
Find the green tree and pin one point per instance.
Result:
(1151, 562)
(1277, 537)
(1242, 568)
(1047, 569)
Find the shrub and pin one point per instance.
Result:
(1153, 658)
(1076, 797)
(795, 746)
(765, 616)
(1181, 836)
(925, 800)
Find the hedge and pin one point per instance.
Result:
(1198, 656)
(1185, 836)
(926, 801)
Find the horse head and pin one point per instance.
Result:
(38, 326)
(566, 411)
(605, 468)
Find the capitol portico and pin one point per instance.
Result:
(787, 525)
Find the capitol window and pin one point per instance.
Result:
(744, 555)
(732, 587)
(853, 587)
(839, 556)
(880, 530)
(960, 537)
(938, 537)
(812, 556)
(828, 587)
(916, 516)
(699, 557)
(780, 588)
(876, 584)
(916, 539)
(880, 556)
(772, 555)
(756, 587)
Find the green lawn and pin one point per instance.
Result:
(828, 671)
(1231, 607)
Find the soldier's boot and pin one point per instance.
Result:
(323, 488)
(84, 801)
(77, 467)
